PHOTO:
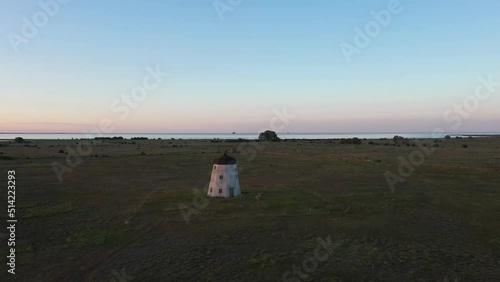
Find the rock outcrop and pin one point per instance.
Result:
(268, 135)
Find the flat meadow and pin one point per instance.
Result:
(135, 210)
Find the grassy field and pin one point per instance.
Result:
(134, 210)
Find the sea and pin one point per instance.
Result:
(282, 135)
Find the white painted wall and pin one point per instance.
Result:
(229, 180)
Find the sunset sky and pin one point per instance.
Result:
(232, 71)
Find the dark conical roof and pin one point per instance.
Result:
(225, 159)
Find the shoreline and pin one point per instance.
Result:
(257, 140)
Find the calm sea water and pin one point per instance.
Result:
(361, 135)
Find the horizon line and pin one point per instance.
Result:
(334, 132)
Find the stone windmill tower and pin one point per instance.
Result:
(224, 182)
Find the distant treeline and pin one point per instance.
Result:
(120, 138)
(217, 140)
(354, 140)
(109, 138)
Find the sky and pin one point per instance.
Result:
(199, 66)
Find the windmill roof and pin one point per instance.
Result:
(225, 159)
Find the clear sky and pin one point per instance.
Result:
(232, 70)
